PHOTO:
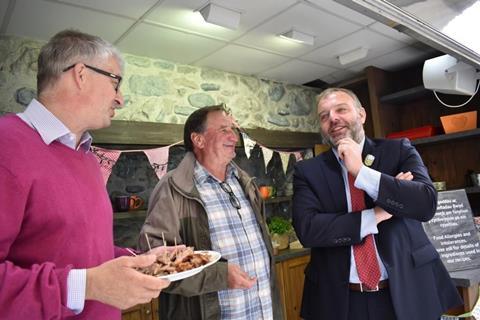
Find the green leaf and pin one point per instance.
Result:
(279, 225)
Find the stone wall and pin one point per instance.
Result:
(166, 92)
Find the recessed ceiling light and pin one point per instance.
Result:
(221, 16)
(298, 36)
(352, 56)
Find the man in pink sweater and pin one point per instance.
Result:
(57, 258)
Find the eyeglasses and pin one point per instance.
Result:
(103, 72)
(233, 199)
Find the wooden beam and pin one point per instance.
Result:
(151, 133)
(377, 85)
(142, 133)
(284, 139)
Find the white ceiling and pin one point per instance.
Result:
(171, 30)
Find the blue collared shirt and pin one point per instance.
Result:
(235, 233)
(50, 129)
(367, 180)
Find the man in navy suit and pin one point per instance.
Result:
(397, 195)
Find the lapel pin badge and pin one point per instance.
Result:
(369, 160)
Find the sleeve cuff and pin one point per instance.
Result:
(369, 181)
(369, 223)
(76, 284)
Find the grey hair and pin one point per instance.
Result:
(329, 91)
(67, 48)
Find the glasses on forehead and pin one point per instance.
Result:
(100, 71)
(233, 199)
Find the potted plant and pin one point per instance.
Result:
(280, 229)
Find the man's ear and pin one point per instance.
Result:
(363, 114)
(80, 74)
(197, 139)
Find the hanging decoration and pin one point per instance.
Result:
(106, 159)
(157, 157)
(298, 156)
(308, 154)
(248, 144)
(267, 156)
(284, 156)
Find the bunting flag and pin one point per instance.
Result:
(248, 144)
(298, 156)
(267, 156)
(158, 159)
(308, 154)
(285, 157)
(106, 159)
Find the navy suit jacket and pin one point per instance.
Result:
(419, 284)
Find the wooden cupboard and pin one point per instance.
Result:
(290, 277)
(147, 311)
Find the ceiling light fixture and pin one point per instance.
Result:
(352, 56)
(297, 36)
(219, 15)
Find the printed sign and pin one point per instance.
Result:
(453, 232)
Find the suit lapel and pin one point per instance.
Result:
(333, 177)
(369, 149)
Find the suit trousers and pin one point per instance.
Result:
(370, 305)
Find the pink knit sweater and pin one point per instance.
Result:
(55, 215)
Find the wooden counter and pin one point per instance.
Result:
(291, 263)
(467, 282)
(288, 254)
(290, 266)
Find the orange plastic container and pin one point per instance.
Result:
(415, 133)
(459, 122)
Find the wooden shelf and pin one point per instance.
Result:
(405, 96)
(468, 190)
(447, 137)
(279, 199)
(130, 214)
(158, 134)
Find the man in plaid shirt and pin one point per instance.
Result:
(210, 203)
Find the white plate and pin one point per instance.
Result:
(214, 257)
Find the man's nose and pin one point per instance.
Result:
(333, 116)
(232, 134)
(119, 100)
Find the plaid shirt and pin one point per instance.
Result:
(237, 236)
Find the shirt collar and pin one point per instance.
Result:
(202, 175)
(50, 128)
